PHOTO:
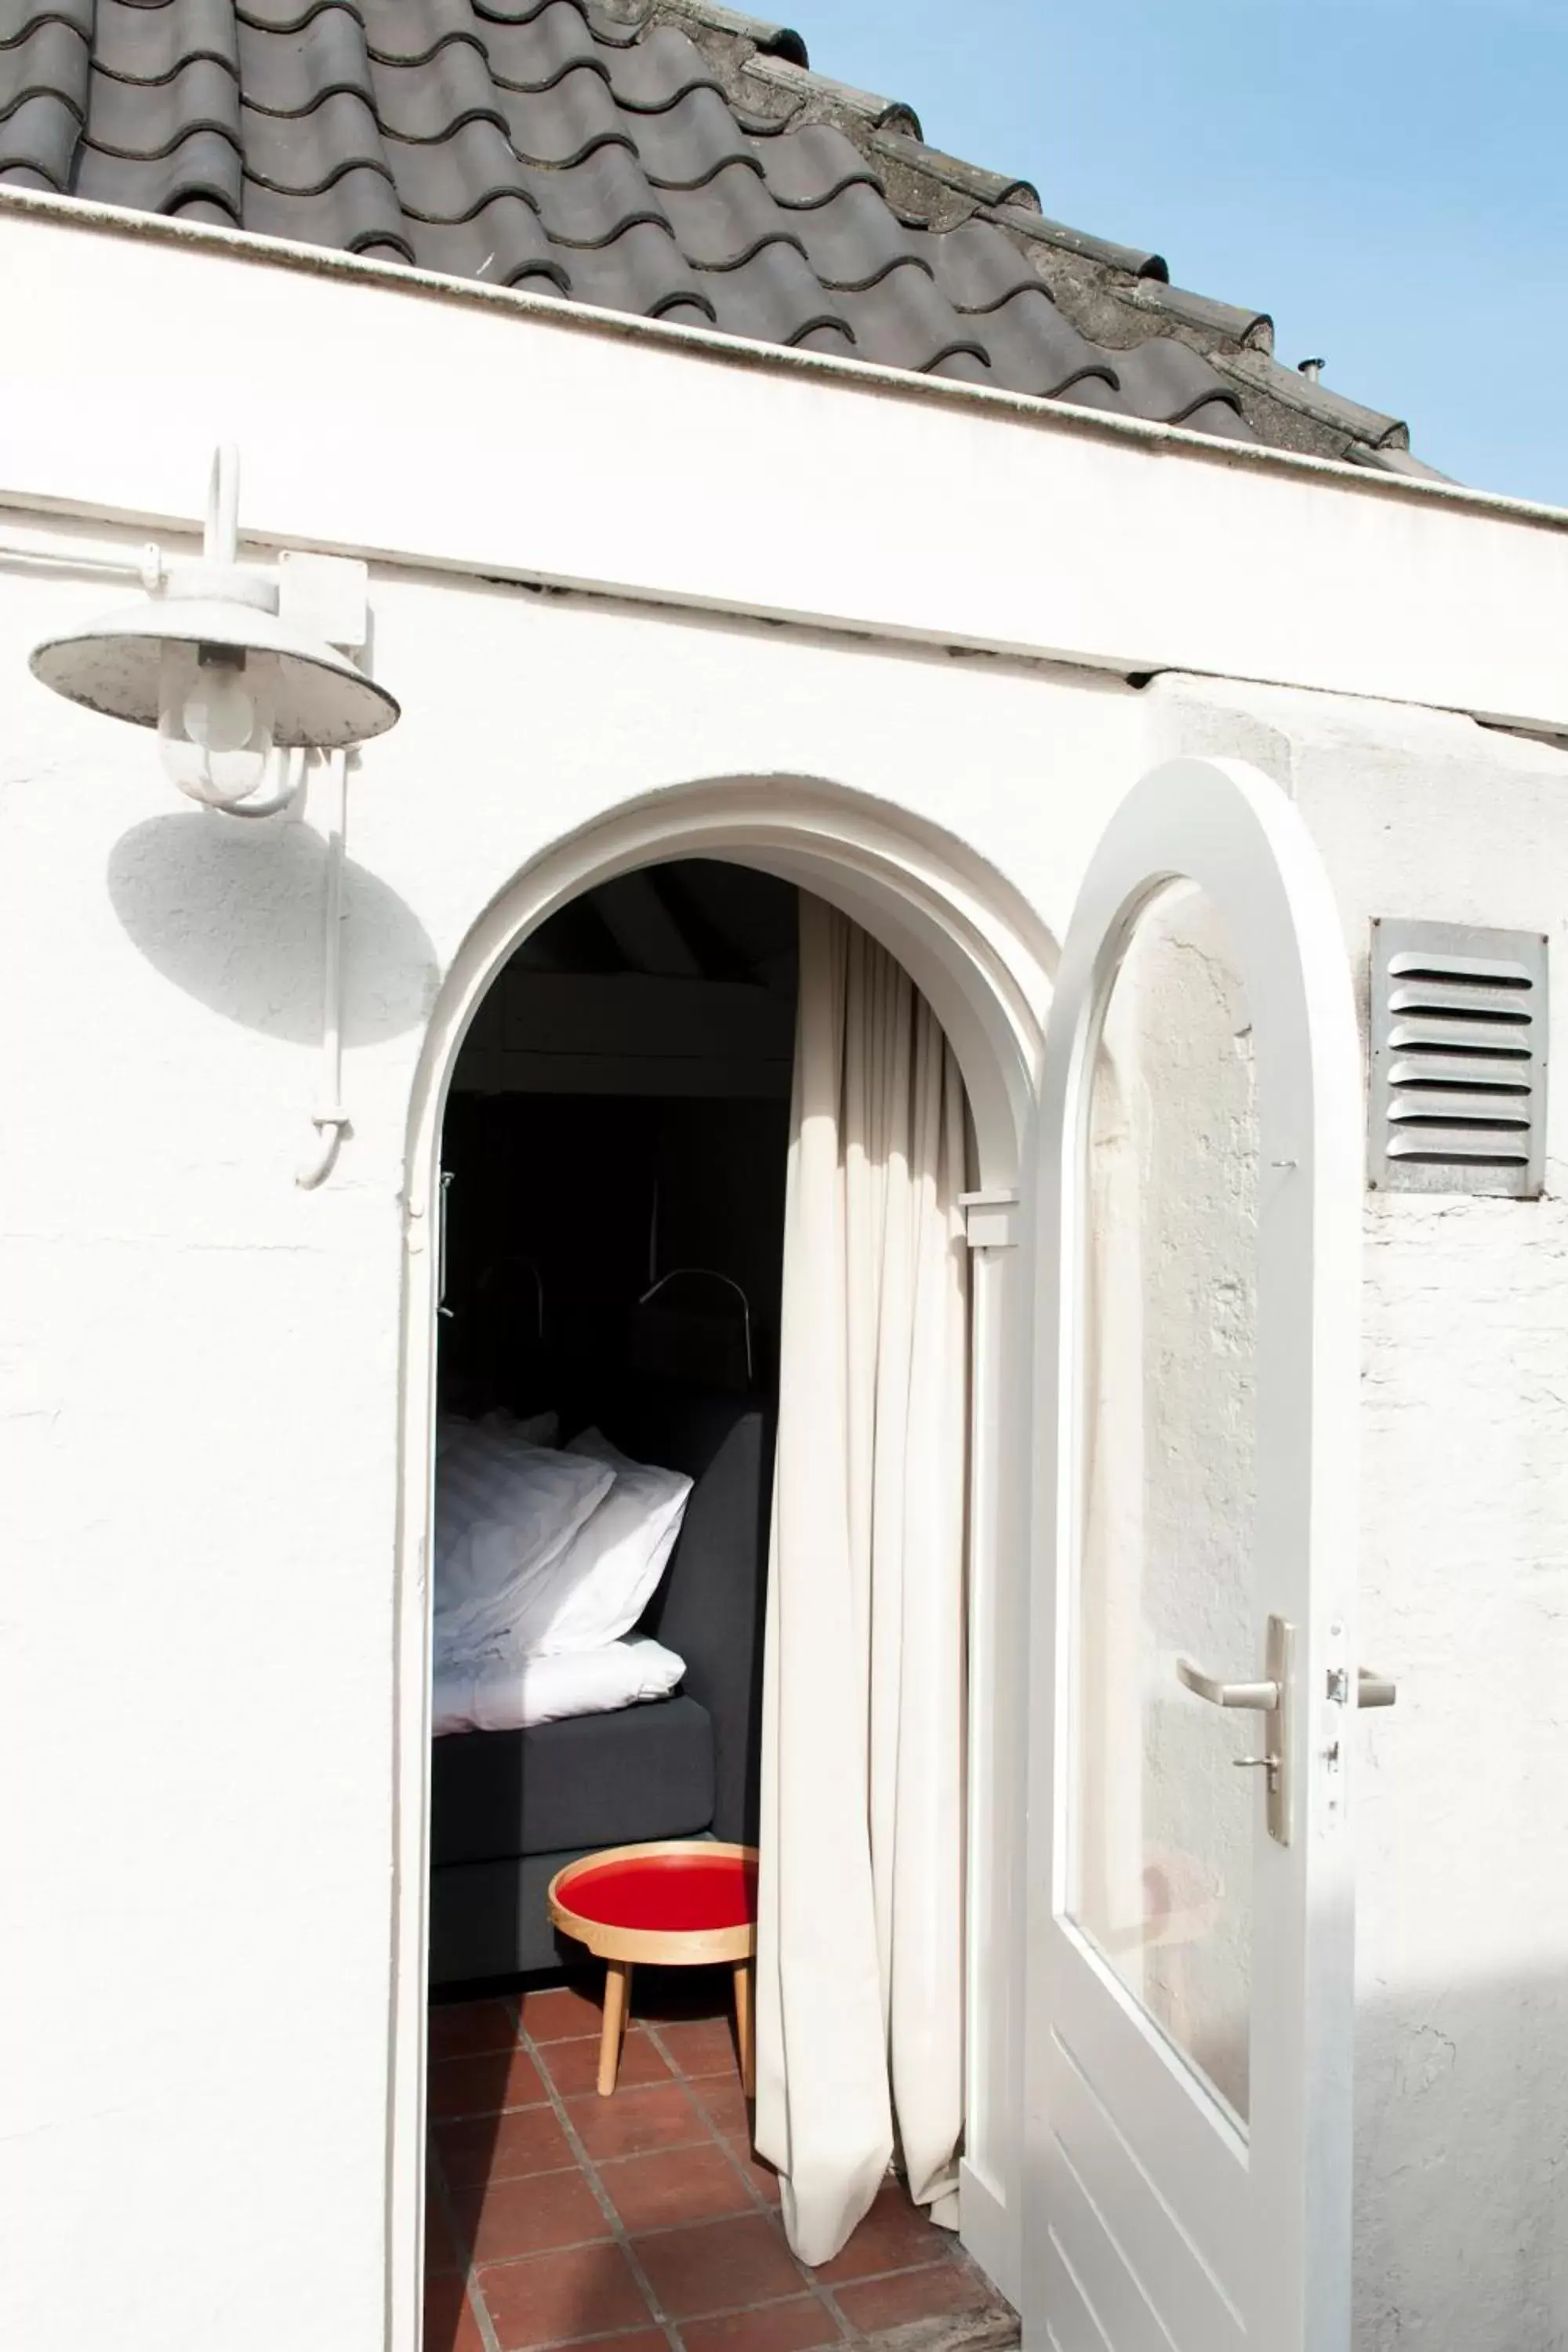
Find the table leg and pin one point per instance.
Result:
(617, 2000)
(745, 2027)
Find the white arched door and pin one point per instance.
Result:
(1189, 1972)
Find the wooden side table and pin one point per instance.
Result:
(684, 1903)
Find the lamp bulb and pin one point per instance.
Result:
(218, 713)
(215, 723)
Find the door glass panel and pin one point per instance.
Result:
(1162, 1821)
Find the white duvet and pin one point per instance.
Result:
(513, 1694)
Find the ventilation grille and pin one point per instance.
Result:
(1458, 1060)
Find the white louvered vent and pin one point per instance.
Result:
(1458, 1099)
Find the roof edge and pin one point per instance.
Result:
(82, 214)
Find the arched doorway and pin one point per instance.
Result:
(982, 959)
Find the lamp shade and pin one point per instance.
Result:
(114, 664)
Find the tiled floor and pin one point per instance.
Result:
(642, 2220)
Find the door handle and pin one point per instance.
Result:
(1271, 1699)
(1263, 1697)
(1374, 1690)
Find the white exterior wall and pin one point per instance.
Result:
(199, 1374)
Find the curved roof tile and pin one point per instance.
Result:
(664, 157)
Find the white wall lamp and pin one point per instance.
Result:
(243, 682)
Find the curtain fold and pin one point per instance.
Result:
(860, 1930)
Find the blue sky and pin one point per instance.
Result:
(1387, 178)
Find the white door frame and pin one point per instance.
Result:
(984, 961)
(1154, 2217)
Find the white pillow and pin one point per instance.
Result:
(499, 1696)
(607, 1575)
(506, 1514)
(540, 1429)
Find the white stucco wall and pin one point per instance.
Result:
(199, 1374)
(199, 1471)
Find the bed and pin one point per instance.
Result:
(509, 1807)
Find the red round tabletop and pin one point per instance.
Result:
(691, 1900)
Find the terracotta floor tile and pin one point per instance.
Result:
(636, 2122)
(926, 2293)
(679, 2184)
(704, 2046)
(561, 2013)
(726, 2105)
(793, 2326)
(481, 2086)
(762, 2176)
(555, 2298)
(896, 2235)
(503, 2148)
(449, 2322)
(718, 2266)
(505, 2219)
(574, 2067)
(467, 2028)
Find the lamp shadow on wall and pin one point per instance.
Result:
(232, 913)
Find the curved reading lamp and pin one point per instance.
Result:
(241, 699)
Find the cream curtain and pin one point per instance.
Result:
(860, 1937)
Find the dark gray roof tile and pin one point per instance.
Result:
(689, 142)
(205, 164)
(986, 187)
(49, 60)
(810, 165)
(20, 17)
(773, 298)
(728, 219)
(1168, 380)
(430, 101)
(503, 244)
(358, 214)
(1223, 418)
(641, 270)
(1032, 348)
(962, 367)
(1315, 400)
(853, 239)
(977, 267)
(596, 200)
(563, 125)
(406, 32)
(41, 134)
(137, 43)
(830, 337)
(1034, 229)
(659, 71)
(272, 16)
(669, 157)
(201, 208)
(287, 73)
(1253, 330)
(500, 12)
(450, 179)
(903, 322)
(534, 56)
(303, 154)
(125, 119)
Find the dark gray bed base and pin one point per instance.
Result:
(509, 1807)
